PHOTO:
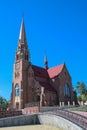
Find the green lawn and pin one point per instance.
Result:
(81, 108)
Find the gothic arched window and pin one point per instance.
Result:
(66, 90)
(17, 90)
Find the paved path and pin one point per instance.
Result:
(81, 113)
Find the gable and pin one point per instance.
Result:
(55, 71)
(65, 72)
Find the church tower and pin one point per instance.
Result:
(21, 65)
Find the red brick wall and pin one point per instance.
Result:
(9, 113)
(29, 110)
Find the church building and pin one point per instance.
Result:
(31, 83)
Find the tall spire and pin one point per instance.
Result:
(45, 62)
(22, 52)
(22, 36)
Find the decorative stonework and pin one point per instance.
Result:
(17, 74)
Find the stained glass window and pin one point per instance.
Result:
(66, 90)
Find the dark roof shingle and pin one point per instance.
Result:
(40, 72)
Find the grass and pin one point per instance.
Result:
(32, 127)
(81, 108)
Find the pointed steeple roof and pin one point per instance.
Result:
(22, 35)
(45, 59)
(22, 50)
(45, 62)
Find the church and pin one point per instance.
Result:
(31, 83)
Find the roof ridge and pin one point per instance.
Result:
(56, 66)
(39, 67)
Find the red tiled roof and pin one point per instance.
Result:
(55, 71)
(47, 86)
(40, 72)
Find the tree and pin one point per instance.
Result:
(84, 97)
(3, 103)
(81, 89)
(79, 98)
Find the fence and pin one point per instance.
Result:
(9, 113)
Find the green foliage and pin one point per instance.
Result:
(79, 98)
(81, 108)
(84, 97)
(81, 89)
(3, 103)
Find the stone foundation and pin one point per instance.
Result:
(39, 119)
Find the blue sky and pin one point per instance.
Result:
(58, 27)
